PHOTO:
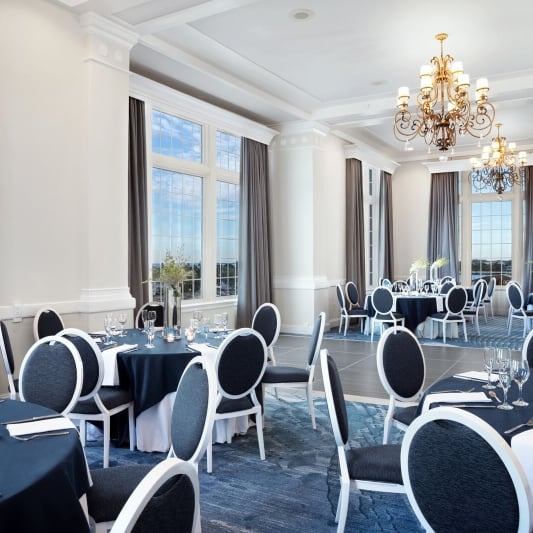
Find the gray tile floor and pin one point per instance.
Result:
(356, 361)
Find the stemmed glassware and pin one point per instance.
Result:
(489, 360)
(150, 332)
(144, 317)
(122, 319)
(520, 373)
(108, 326)
(225, 324)
(506, 377)
(205, 322)
(217, 321)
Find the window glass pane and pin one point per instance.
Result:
(228, 151)
(176, 137)
(177, 225)
(491, 241)
(227, 238)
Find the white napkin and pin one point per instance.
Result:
(205, 349)
(110, 363)
(40, 426)
(440, 304)
(522, 444)
(477, 376)
(454, 397)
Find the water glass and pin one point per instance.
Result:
(506, 377)
(150, 332)
(489, 360)
(144, 317)
(225, 324)
(108, 326)
(520, 373)
(122, 319)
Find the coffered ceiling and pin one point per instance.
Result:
(336, 62)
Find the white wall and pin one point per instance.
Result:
(411, 184)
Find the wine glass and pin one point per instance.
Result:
(108, 326)
(225, 324)
(489, 362)
(205, 322)
(506, 377)
(144, 317)
(122, 319)
(152, 315)
(150, 332)
(217, 321)
(520, 372)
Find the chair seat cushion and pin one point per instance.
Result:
(111, 488)
(228, 405)
(449, 318)
(285, 374)
(357, 312)
(405, 415)
(397, 316)
(375, 463)
(111, 397)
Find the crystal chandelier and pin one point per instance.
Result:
(444, 108)
(500, 167)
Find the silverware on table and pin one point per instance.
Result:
(451, 391)
(25, 438)
(528, 423)
(31, 419)
(493, 394)
(471, 406)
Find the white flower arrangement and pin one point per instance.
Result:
(419, 264)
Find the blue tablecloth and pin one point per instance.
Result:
(150, 374)
(41, 480)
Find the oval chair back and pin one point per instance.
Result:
(51, 374)
(47, 322)
(352, 293)
(455, 301)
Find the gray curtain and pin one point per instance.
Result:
(442, 230)
(137, 210)
(254, 252)
(355, 225)
(527, 281)
(385, 244)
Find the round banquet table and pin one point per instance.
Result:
(41, 480)
(497, 418)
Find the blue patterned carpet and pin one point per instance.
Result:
(493, 333)
(296, 489)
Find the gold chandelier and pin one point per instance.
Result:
(444, 107)
(500, 167)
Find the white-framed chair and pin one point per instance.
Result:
(472, 310)
(240, 364)
(347, 313)
(375, 468)
(446, 287)
(159, 309)
(450, 460)
(9, 361)
(489, 297)
(454, 303)
(98, 403)
(289, 377)
(47, 321)
(267, 322)
(51, 374)
(517, 307)
(192, 422)
(402, 372)
(177, 508)
(383, 303)
(527, 349)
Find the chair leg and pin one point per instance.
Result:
(444, 331)
(260, 439)
(464, 329)
(83, 432)
(372, 325)
(346, 324)
(131, 425)
(209, 453)
(342, 506)
(107, 438)
(340, 325)
(310, 404)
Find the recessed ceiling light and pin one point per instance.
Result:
(301, 15)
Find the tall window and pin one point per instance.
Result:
(195, 204)
(491, 234)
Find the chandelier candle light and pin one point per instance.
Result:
(444, 107)
(500, 167)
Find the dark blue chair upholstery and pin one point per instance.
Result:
(191, 427)
(383, 303)
(461, 475)
(294, 377)
(267, 322)
(454, 305)
(349, 312)
(402, 371)
(51, 374)
(368, 468)
(518, 308)
(47, 322)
